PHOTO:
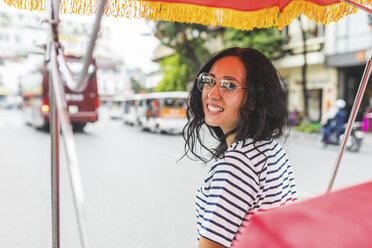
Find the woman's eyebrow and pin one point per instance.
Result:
(224, 77)
(228, 77)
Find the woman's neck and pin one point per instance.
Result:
(230, 139)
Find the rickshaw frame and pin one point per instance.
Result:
(60, 118)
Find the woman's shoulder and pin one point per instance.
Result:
(253, 154)
(247, 153)
(253, 149)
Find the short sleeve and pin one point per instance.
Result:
(230, 191)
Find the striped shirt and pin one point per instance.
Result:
(249, 178)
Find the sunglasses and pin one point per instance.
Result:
(228, 87)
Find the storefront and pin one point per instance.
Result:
(321, 90)
(350, 67)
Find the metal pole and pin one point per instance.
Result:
(82, 82)
(54, 131)
(89, 53)
(59, 115)
(69, 145)
(354, 111)
(54, 126)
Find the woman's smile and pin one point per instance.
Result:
(214, 109)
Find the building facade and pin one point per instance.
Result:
(321, 81)
(336, 58)
(348, 47)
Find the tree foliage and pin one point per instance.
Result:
(177, 71)
(188, 40)
(268, 41)
(136, 86)
(190, 43)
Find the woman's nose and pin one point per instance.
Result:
(214, 93)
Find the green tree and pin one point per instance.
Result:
(177, 71)
(189, 44)
(136, 86)
(268, 41)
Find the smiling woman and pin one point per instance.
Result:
(221, 104)
(239, 97)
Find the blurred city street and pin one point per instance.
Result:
(136, 194)
(139, 189)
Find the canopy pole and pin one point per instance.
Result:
(358, 5)
(78, 85)
(354, 111)
(89, 53)
(59, 115)
(54, 130)
(69, 145)
(54, 125)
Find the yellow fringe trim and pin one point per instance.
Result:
(188, 13)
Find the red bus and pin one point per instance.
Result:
(82, 106)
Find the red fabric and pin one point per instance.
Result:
(245, 5)
(340, 219)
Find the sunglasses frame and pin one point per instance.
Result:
(218, 85)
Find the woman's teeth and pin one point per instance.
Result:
(214, 109)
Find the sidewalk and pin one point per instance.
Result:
(294, 134)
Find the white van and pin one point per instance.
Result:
(157, 112)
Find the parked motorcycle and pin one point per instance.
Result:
(354, 141)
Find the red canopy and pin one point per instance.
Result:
(341, 219)
(241, 14)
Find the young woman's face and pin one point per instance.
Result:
(219, 111)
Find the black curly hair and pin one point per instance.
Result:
(263, 115)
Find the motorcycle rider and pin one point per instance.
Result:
(335, 122)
